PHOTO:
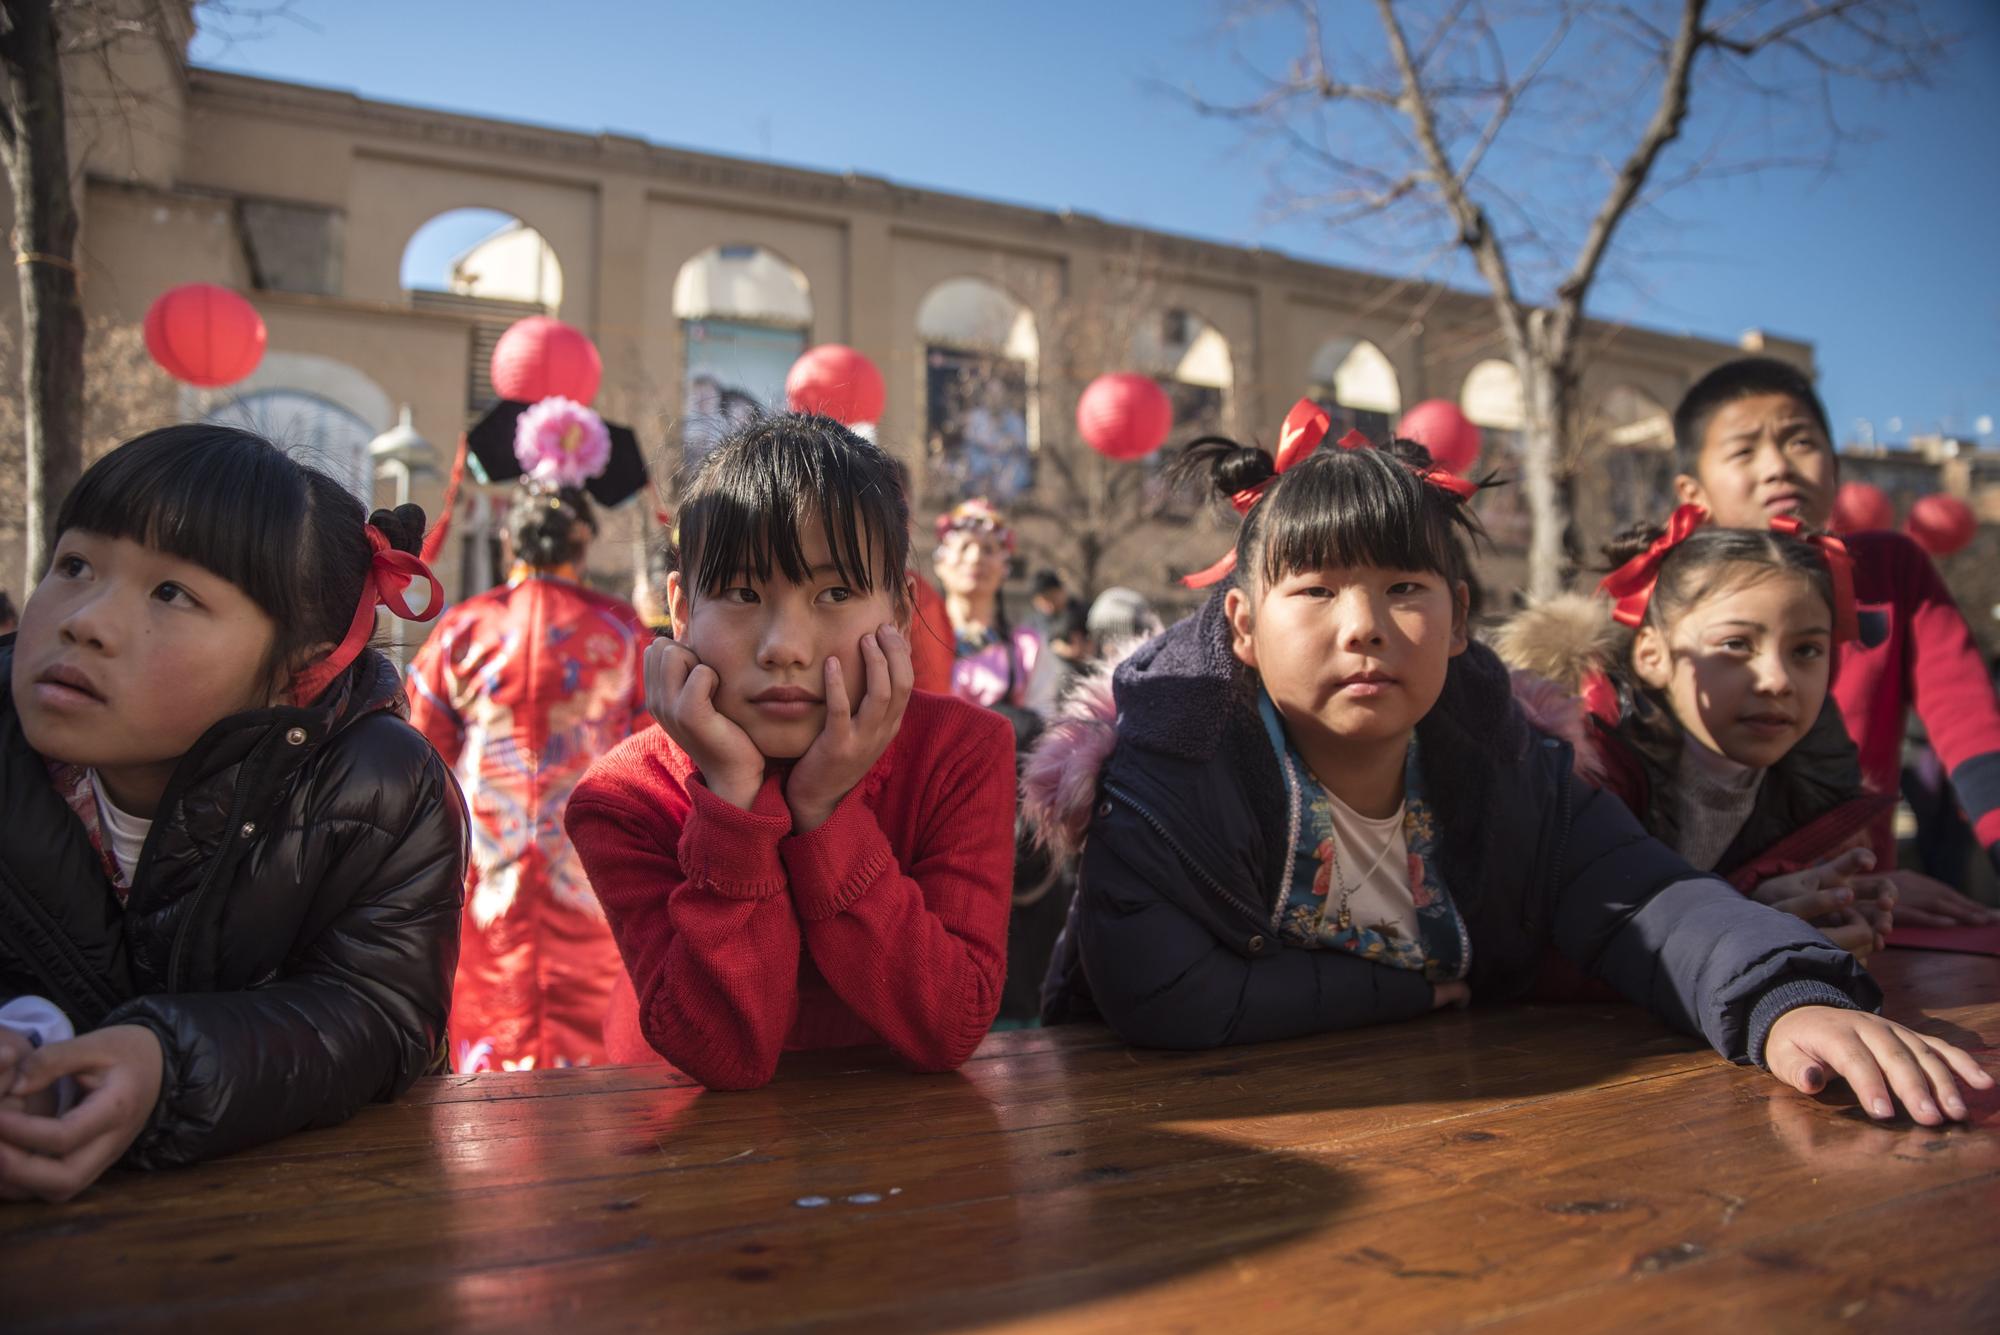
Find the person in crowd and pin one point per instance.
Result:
(1120, 616)
(1753, 446)
(1047, 597)
(807, 853)
(520, 688)
(1701, 700)
(1314, 804)
(998, 664)
(231, 865)
(1072, 645)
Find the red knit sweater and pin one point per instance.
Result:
(1923, 654)
(887, 924)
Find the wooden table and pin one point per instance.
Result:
(1531, 1168)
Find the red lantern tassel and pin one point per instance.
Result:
(434, 540)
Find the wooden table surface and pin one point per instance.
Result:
(1529, 1168)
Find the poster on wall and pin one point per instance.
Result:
(734, 371)
(976, 426)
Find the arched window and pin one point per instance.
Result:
(980, 355)
(311, 429)
(745, 314)
(1631, 435)
(1491, 398)
(486, 265)
(1357, 386)
(1191, 360)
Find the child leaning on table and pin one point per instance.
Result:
(1701, 700)
(1315, 804)
(807, 853)
(226, 859)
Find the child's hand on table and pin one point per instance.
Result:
(853, 738)
(15, 1049)
(680, 694)
(1923, 902)
(1878, 1058)
(119, 1069)
(1850, 907)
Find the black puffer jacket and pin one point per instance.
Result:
(1172, 937)
(293, 923)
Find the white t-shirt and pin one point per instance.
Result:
(126, 832)
(1372, 857)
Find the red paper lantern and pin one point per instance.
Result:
(1442, 428)
(1124, 415)
(204, 335)
(1941, 524)
(1861, 506)
(541, 357)
(837, 381)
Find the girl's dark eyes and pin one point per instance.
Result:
(741, 596)
(172, 592)
(70, 565)
(1811, 651)
(1406, 586)
(839, 593)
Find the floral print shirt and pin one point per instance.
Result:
(1308, 915)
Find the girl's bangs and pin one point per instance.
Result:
(1340, 516)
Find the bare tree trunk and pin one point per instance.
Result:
(1548, 392)
(35, 145)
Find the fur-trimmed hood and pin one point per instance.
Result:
(1564, 640)
(1059, 780)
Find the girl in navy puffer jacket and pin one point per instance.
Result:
(1319, 806)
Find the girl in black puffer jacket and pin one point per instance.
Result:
(227, 858)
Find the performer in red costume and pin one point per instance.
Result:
(520, 688)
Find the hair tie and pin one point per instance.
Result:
(1839, 568)
(390, 572)
(1630, 586)
(1305, 427)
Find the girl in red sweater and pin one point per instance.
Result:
(808, 853)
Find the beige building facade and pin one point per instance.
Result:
(306, 200)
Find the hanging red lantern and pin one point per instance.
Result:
(1124, 415)
(204, 335)
(835, 380)
(1941, 525)
(541, 358)
(1861, 506)
(1441, 427)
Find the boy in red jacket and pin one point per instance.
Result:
(807, 853)
(1753, 443)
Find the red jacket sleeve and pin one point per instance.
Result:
(918, 951)
(699, 910)
(429, 693)
(1953, 694)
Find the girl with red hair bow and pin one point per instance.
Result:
(1705, 669)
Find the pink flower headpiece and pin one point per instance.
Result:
(977, 515)
(561, 443)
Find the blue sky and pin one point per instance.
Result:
(1889, 264)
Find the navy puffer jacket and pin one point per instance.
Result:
(1172, 937)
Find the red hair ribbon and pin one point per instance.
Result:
(1305, 427)
(1630, 586)
(1839, 568)
(389, 574)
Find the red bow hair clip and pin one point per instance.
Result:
(1839, 569)
(390, 572)
(1630, 586)
(1305, 427)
